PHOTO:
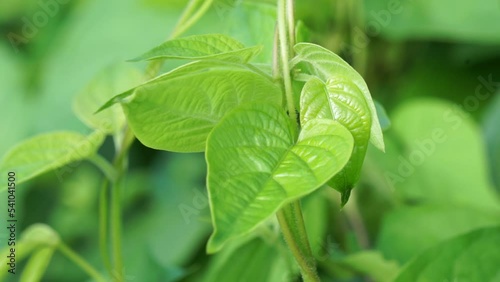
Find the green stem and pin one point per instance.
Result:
(106, 168)
(293, 229)
(290, 216)
(80, 262)
(192, 19)
(103, 226)
(120, 164)
(188, 18)
(285, 57)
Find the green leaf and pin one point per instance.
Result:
(442, 159)
(177, 111)
(47, 152)
(255, 166)
(105, 85)
(340, 100)
(371, 264)
(315, 60)
(469, 257)
(207, 46)
(432, 20)
(434, 224)
(37, 265)
(252, 260)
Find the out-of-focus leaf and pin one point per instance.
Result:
(255, 166)
(383, 118)
(174, 191)
(253, 260)
(371, 264)
(442, 159)
(341, 101)
(37, 265)
(315, 60)
(302, 32)
(15, 115)
(492, 133)
(433, 20)
(35, 237)
(469, 257)
(177, 111)
(48, 152)
(207, 46)
(429, 226)
(109, 82)
(316, 219)
(258, 18)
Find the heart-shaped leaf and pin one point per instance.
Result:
(340, 100)
(256, 164)
(206, 46)
(177, 111)
(317, 61)
(49, 151)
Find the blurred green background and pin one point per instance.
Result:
(433, 65)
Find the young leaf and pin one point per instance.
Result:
(318, 61)
(340, 100)
(177, 111)
(109, 82)
(256, 165)
(207, 46)
(49, 151)
(37, 265)
(469, 257)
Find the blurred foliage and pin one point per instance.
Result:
(430, 202)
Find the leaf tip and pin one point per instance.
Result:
(214, 244)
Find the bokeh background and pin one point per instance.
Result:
(433, 65)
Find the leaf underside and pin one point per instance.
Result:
(176, 111)
(207, 46)
(47, 152)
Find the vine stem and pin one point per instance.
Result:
(193, 12)
(80, 262)
(290, 216)
(120, 164)
(285, 47)
(292, 226)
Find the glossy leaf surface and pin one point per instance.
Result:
(315, 60)
(340, 100)
(177, 111)
(256, 164)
